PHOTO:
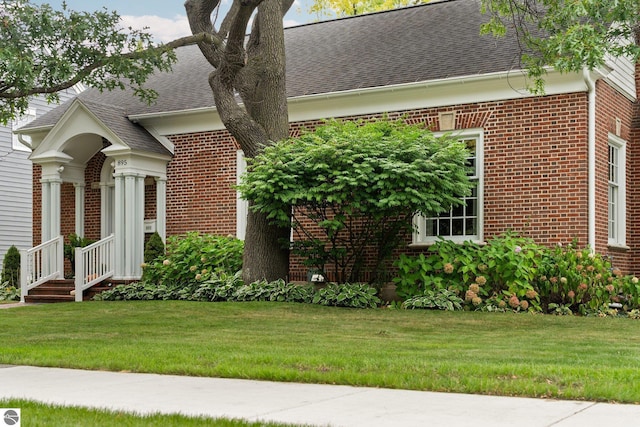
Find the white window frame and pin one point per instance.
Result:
(242, 206)
(420, 237)
(17, 123)
(616, 192)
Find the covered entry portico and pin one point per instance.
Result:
(99, 150)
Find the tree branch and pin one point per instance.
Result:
(199, 16)
(84, 72)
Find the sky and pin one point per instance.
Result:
(166, 19)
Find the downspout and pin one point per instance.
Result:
(591, 137)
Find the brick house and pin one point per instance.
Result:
(553, 167)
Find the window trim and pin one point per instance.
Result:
(620, 239)
(418, 236)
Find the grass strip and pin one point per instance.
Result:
(468, 352)
(42, 414)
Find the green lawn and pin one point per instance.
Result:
(40, 414)
(488, 353)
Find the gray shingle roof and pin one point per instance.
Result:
(421, 43)
(134, 135)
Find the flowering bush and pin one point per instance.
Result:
(580, 281)
(511, 273)
(193, 258)
(492, 276)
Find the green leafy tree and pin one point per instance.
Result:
(44, 51)
(566, 35)
(359, 184)
(357, 7)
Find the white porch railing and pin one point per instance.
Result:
(94, 263)
(40, 264)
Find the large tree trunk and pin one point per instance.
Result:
(256, 72)
(266, 254)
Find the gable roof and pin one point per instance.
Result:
(432, 41)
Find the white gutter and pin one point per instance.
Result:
(350, 92)
(591, 130)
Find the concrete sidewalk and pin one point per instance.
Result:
(309, 404)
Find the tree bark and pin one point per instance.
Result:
(257, 73)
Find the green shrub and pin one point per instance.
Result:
(11, 267)
(355, 185)
(278, 291)
(154, 248)
(218, 287)
(75, 241)
(357, 295)
(511, 273)
(192, 258)
(131, 291)
(501, 273)
(441, 299)
(9, 292)
(577, 280)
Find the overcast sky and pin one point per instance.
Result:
(166, 19)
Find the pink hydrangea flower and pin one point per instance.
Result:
(514, 302)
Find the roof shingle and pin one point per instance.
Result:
(432, 41)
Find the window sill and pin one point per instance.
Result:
(433, 242)
(618, 247)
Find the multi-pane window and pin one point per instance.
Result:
(462, 222)
(616, 196)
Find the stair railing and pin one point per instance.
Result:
(40, 264)
(94, 263)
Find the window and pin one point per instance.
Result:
(19, 122)
(616, 199)
(462, 222)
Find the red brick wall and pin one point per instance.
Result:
(611, 105)
(200, 180)
(633, 184)
(93, 197)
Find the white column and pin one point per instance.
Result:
(45, 209)
(119, 224)
(80, 203)
(104, 209)
(129, 222)
(55, 204)
(138, 236)
(161, 207)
